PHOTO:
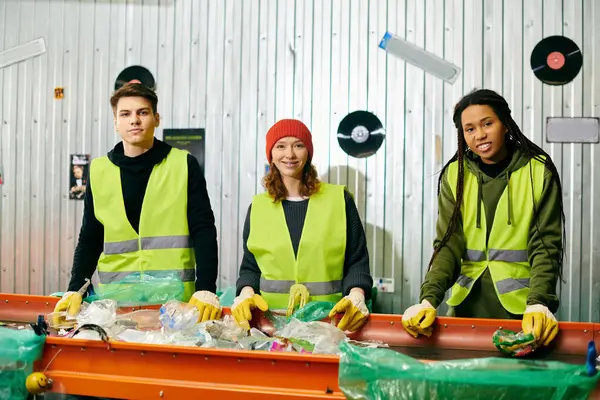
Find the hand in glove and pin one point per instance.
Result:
(207, 304)
(244, 304)
(69, 303)
(538, 320)
(298, 295)
(354, 309)
(417, 319)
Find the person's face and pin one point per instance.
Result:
(77, 173)
(484, 133)
(290, 156)
(135, 121)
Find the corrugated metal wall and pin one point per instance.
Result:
(235, 67)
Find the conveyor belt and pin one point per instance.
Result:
(139, 371)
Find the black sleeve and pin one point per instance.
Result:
(249, 274)
(356, 265)
(201, 223)
(89, 245)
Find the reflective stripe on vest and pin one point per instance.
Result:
(148, 243)
(314, 288)
(162, 248)
(505, 253)
(320, 262)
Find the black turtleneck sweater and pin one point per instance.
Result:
(135, 173)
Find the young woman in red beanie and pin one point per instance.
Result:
(303, 239)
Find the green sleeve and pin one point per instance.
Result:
(544, 248)
(445, 268)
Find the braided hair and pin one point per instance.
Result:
(516, 137)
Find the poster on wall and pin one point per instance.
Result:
(78, 175)
(190, 139)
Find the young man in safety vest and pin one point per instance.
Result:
(146, 212)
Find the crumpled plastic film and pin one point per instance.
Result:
(177, 315)
(224, 330)
(19, 349)
(325, 337)
(313, 311)
(142, 289)
(101, 312)
(386, 374)
(227, 296)
(514, 344)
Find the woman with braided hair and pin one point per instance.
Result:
(500, 228)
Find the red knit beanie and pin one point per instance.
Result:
(289, 127)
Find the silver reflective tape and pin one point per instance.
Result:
(314, 288)
(464, 281)
(323, 288)
(127, 246)
(474, 255)
(510, 285)
(166, 242)
(272, 286)
(508, 255)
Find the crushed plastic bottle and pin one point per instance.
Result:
(177, 315)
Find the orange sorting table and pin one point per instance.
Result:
(142, 371)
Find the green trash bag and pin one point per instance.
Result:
(367, 373)
(318, 310)
(141, 289)
(19, 349)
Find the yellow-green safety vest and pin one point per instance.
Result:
(163, 246)
(319, 264)
(506, 253)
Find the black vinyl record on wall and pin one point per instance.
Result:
(360, 134)
(556, 60)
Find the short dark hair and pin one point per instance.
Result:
(134, 90)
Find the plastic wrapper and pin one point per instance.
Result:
(101, 312)
(142, 320)
(176, 315)
(256, 341)
(162, 337)
(313, 311)
(19, 349)
(227, 296)
(514, 344)
(142, 289)
(324, 337)
(386, 374)
(224, 330)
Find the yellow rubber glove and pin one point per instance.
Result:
(207, 304)
(298, 295)
(69, 303)
(417, 319)
(355, 311)
(538, 320)
(244, 304)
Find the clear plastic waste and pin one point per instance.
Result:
(324, 337)
(101, 312)
(176, 315)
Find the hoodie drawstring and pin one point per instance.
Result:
(508, 199)
(479, 198)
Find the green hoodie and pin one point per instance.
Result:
(482, 301)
